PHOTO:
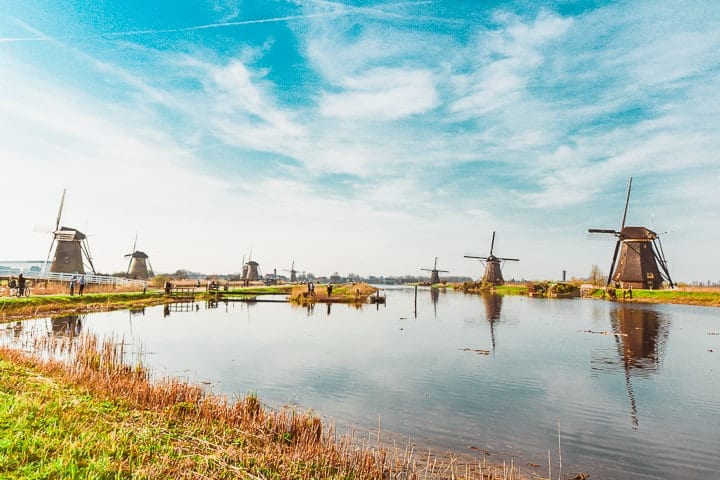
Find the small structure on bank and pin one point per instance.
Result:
(639, 255)
(71, 248)
(139, 265)
(493, 265)
(434, 273)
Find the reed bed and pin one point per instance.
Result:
(201, 435)
(354, 293)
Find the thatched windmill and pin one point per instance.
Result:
(641, 262)
(293, 273)
(434, 273)
(71, 248)
(493, 271)
(139, 265)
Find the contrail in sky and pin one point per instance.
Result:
(175, 30)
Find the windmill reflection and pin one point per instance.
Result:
(640, 338)
(493, 308)
(67, 325)
(434, 298)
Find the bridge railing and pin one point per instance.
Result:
(89, 278)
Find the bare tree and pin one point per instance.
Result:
(596, 275)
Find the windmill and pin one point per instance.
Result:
(641, 261)
(139, 264)
(71, 248)
(293, 273)
(434, 276)
(250, 269)
(493, 272)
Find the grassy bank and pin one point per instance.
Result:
(91, 416)
(704, 297)
(15, 308)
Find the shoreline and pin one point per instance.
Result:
(123, 424)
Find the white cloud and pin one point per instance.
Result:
(382, 94)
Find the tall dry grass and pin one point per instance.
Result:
(286, 443)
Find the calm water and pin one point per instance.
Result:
(642, 401)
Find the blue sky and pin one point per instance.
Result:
(364, 137)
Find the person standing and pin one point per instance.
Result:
(81, 284)
(73, 279)
(329, 289)
(21, 285)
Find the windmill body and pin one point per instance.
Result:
(293, 273)
(637, 265)
(493, 266)
(434, 273)
(252, 273)
(139, 265)
(639, 256)
(68, 257)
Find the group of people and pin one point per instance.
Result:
(80, 283)
(611, 292)
(19, 286)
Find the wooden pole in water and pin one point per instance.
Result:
(415, 301)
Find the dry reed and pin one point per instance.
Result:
(238, 436)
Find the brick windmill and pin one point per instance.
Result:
(493, 264)
(139, 265)
(71, 248)
(641, 261)
(434, 273)
(293, 273)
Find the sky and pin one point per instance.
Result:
(362, 137)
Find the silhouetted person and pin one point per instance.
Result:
(21, 285)
(630, 292)
(73, 279)
(81, 284)
(329, 288)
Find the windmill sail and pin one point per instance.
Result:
(493, 265)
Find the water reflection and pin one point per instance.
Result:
(493, 307)
(434, 297)
(640, 337)
(67, 325)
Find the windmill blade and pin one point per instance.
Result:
(474, 256)
(152, 273)
(131, 253)
(52, 242)
(85, 245)
(509, 259)
(660, 257)
(59, 215)
(603, 230)
(435, 264)
(135, 242)
(492, 244)
(443, 271)
(627, 202)
(612, 265)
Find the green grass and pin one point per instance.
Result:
(511, 290)
(91, 417)
(677, 296)
(49, 430)
(12, 308)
